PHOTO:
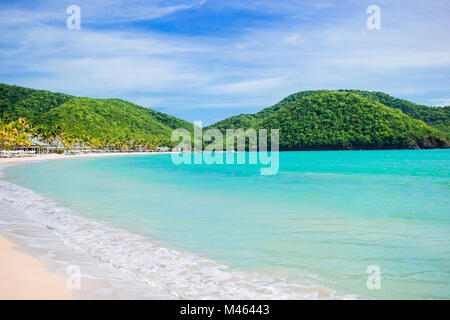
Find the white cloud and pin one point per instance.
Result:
(440, 102)
(112, 11)
(254, 67)
(134, 10)
(322, 5)
(250, 87)
(294, 39)
(245, 44)
(100, 63)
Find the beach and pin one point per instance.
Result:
(23, 276)
(114, 263)
(143, 227)
(47, 157)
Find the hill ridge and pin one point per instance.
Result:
(313, 119)
(438, 117)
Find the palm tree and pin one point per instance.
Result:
(15, 134)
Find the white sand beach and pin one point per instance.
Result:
(45, 157)
(26, 277)
(41, 241)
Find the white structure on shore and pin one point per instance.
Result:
(163, 149)
(55, 146)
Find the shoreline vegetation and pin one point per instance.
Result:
(39, 121)
(19, 138)
(55, 156)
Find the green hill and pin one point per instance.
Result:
(106, 120)
(16, 102)
(323, 119)
(343, 120)
(438, 117)
(111, 120)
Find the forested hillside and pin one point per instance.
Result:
(308, 120)
(342, 120)
(18, 102)
(438, 117)
(87, 120)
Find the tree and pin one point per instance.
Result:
(15, 134)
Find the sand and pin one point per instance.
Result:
(23, 277)
(64, 156)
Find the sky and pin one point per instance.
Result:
(205, 60)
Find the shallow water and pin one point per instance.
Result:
(227, 231)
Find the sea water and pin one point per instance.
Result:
(226, 231)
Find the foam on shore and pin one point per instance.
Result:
(133, 267)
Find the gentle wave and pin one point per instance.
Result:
(166, 271)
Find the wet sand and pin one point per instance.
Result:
(25, 277)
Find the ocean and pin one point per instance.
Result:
(225, 231)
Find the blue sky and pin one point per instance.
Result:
(209, 59)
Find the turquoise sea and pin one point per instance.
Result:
(321, 221)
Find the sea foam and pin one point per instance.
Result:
(133, 266)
